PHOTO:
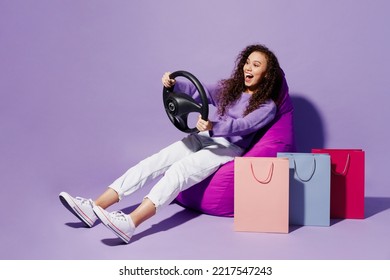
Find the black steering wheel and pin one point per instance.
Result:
(179, 105)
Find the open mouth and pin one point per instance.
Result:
(248, 77)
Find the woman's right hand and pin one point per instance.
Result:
(167, 81)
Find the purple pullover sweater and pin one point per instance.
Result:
(233, 126)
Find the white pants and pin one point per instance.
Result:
(184, 163)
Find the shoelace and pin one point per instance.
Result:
(119, 215)
(83, 200)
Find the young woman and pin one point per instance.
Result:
(246, 102)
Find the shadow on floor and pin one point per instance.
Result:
(376, 205)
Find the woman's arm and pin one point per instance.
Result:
(252, 122)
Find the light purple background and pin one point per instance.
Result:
(80, 102)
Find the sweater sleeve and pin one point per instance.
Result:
(190, 89)
(250, 123)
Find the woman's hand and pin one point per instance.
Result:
(166, 81)
(203, 125)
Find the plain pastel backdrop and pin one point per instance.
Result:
(80, 102)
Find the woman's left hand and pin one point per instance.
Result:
(203, 125)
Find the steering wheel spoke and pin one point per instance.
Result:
(182, 122)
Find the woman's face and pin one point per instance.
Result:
(254, 70)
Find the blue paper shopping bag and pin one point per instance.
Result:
(309, 188)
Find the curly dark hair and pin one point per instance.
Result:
(268, 88)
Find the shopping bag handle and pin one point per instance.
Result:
(312, 172)
(345, 167)
(268, 179)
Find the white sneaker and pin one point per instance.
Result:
(82, 208)
(120, 223)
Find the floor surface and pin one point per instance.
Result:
(45, 230)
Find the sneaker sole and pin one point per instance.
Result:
(106, 221)
(69, 204)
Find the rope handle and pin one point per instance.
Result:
(269, 177)
(347, 163)
(312, 172)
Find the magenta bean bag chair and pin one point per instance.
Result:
(215, 194)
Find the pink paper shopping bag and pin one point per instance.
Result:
(261, 194)
(347, 182)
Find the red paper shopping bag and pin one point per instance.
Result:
(347, 182)
(261, 194)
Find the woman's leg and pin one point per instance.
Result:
(180, 176)
(143, 212)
